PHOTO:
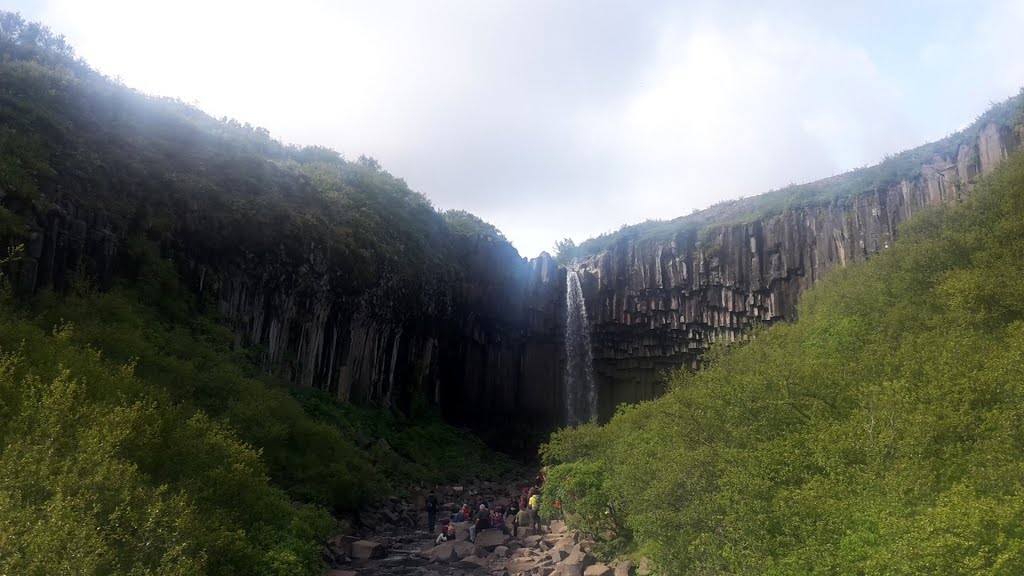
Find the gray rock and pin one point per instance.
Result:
(491, 538)
(624, 568)
(443, 552)
(366, 549)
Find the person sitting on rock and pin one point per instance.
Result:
(498, 518)
(483, 522)
(442, 535)
(467, 513)
(523, 518)
(513, 508)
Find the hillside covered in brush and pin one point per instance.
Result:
(879, 434)
(138, 433)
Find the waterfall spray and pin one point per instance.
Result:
(580, 388)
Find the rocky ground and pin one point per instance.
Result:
(394, 541)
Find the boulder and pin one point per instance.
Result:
(525, 532)
(531, 540)
(472, 562)
(576, 563)
(443, 552)
(501, 551)
(558, 555)
(466, 548)
(598, 570)
(342, 543)
(366, 549)
(625, 568)
(490, 539)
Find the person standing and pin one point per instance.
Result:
(431, 511)
(535, 508)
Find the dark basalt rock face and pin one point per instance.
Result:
(657, 306)
(491, 362)
(491, 355)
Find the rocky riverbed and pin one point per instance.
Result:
(394, 540)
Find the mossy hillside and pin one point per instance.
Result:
(137, 436)
(879, 434)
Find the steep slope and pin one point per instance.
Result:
(879, 434)
(349, 281)
(168, 422)
(659, 294)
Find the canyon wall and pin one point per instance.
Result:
(657, 305)
(492, 357)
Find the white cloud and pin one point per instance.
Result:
(570, 118)
(729, 111)
(933, 54)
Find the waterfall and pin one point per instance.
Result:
(580, 388)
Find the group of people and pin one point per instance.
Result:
(524, 509)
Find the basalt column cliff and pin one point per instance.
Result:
(348, 281)
(491, 358)
(657, 305)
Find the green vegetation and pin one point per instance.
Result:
(136, 435)
(466, 224)
(214, 187)
(841, 189)
(880, 434)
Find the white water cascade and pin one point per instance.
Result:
(580, 388)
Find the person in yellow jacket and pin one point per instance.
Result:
(534, 505)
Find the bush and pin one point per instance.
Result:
(880, 434)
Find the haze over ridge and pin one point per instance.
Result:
(570, 119)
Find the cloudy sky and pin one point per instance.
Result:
(569, 118)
